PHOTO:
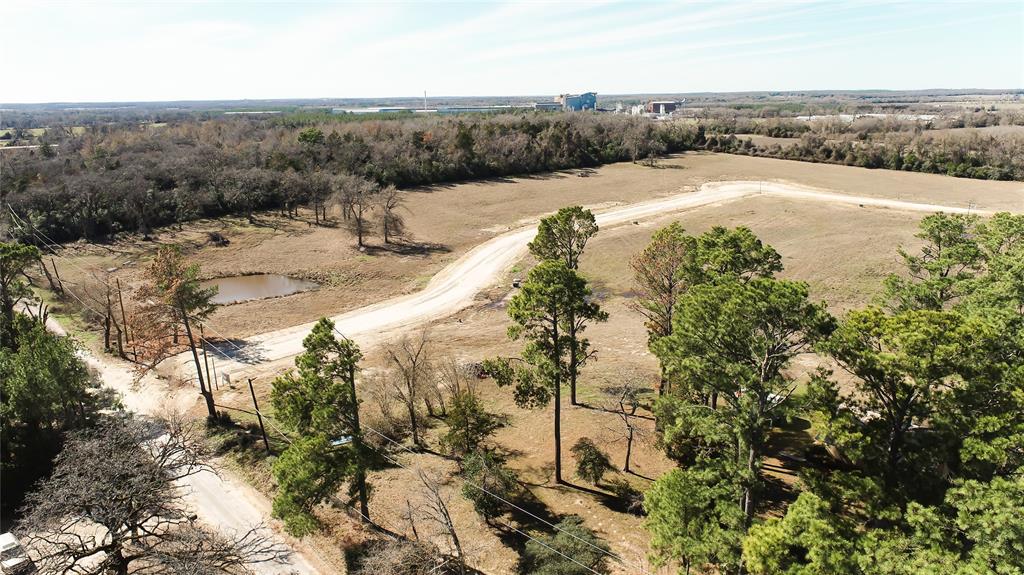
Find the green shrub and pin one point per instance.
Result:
(550, 554)
(469, 425)
(487, 479)
(591, 462)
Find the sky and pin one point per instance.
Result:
(151, 51)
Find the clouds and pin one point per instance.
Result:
(112, 51)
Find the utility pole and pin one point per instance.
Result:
(124, 320)
(206, 361)
(60, 283)
(259, 416)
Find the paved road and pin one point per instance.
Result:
(221, 501)
(455, 287)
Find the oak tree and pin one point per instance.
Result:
(114, 506)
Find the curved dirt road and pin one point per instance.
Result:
(228, 504)
(455, 287)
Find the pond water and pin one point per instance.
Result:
(234, 289)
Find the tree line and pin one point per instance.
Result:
(123, 178)
(873, 143)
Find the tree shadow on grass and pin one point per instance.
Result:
(258, 222)
(529, 514)
(496, 180)
(608, 499)
(641, 476)
(407, 248)
(777, 491)
(662, 166)
(237, 349)
(612, 411)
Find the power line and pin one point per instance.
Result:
(514, 506)
(512, 527)
(471, 484)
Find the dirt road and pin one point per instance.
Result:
(231, 505)
(220, 501)
(456, 286)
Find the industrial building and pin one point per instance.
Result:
(578, 102)
(566, 102)
(662, 107)
(553, 106)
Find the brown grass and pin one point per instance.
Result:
(843, 252)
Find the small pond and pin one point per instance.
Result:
(234, 289)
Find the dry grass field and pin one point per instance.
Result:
(444, 222)
(842, 252)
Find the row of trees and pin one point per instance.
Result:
(89, 489)
(112, 179)
(45, 389)
(830, 122)
(976, 156)
(927, 451)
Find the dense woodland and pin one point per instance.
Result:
(115, 178)
(101, 178)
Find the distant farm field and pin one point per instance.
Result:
(995, 131)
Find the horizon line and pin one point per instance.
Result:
(1014, 91)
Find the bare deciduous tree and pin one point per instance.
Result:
(113, 506)
(98, 292)
(391, 222)
(434, 509)
(624, 404)
(452, 378)
(411, 377)
(402, 557)
(356, 196)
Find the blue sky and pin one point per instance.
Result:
(85, 51)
